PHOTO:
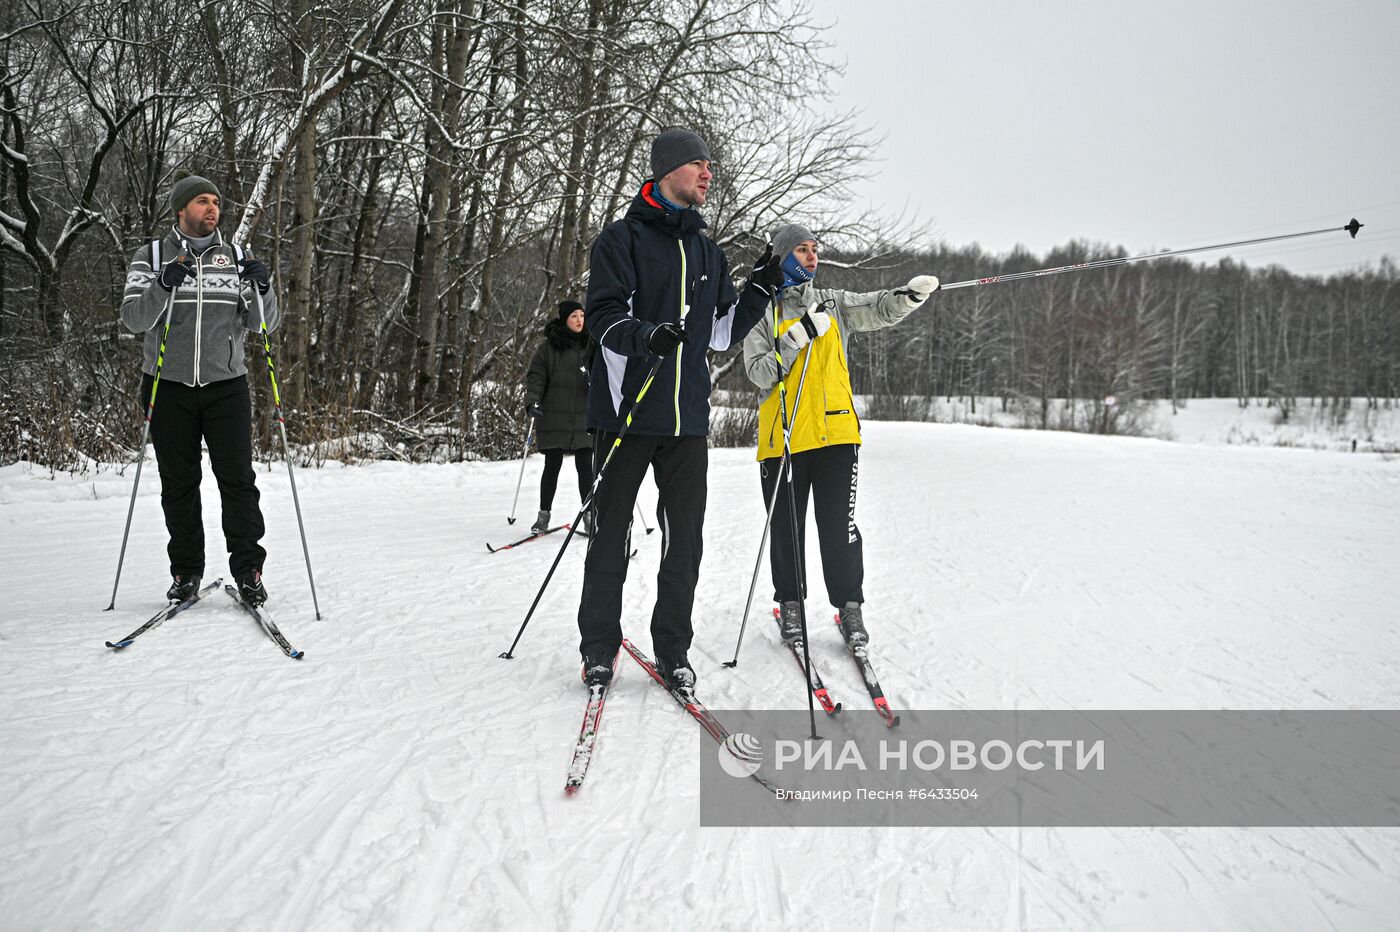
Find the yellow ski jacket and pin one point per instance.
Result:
(826, 412)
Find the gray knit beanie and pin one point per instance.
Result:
(788, 236)
(674, 148)
(189, 188)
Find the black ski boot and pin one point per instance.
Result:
(790, 622)
(853, 625)
(676, 672)
(541, 523)
(182, 587)
(250, 588)
(598, 669)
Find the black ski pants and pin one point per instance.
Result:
(829, 474)
(679, 466)
(549, 480)
(220, 414)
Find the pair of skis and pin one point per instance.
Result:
(593, 715)
(867, 673)
(259, 613)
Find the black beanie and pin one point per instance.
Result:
(189, 188)
(566, 308)
(674, 148)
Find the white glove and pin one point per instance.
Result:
(809, 326)
(918, 289)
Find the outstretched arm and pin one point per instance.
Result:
(875, 310)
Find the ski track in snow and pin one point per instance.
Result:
(402, 776)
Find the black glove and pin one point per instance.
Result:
(256, 270)
(665, 338)
(175, 272)
(767, 272)
(533, 409)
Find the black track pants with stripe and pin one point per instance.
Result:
(829, 474)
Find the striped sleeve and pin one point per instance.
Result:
(144, 299)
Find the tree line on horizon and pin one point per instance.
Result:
(1160, 330)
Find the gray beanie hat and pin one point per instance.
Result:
(189, 188)
(788, 236)
(674, 148)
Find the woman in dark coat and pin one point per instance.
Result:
(556, 396)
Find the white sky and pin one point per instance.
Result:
(1147, 125)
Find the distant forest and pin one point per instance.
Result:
(1154, 330)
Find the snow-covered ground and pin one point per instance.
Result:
(1310, 425)
(404, 777)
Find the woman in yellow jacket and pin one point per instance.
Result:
(809, 329)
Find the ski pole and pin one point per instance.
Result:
(783, 466)
(145, 435)
(587, 503)
(1351, 228)
(797, 563)
(641, 514)
(286, 447)
(524, 452)
(786, 472)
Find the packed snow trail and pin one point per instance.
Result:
(403, 776)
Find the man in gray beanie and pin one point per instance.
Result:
(674, 148)
(193, 293)
(658, 292)
(795, 344)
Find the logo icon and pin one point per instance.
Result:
(220, 261)
(741, 755)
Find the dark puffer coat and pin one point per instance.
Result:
(558, 382)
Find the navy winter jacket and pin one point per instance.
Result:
(649, 268)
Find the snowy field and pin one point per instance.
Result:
(403, 777)
(1220, 420)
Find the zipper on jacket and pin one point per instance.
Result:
(198, 311)
(680, 347)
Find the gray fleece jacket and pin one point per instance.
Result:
(212, 312)
(854, 312)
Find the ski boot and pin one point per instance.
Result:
(676, 672)
(250, 588)
(541, 523)
(182, 586)
(853, 625)
(598, 668)
(790, 622)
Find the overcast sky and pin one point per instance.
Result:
(1151, 125)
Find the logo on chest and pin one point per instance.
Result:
(221, 261)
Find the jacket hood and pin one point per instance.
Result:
(561, 337)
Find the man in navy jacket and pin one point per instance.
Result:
(658, 288)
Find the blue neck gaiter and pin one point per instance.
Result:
(794, 273)
(656, 192)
